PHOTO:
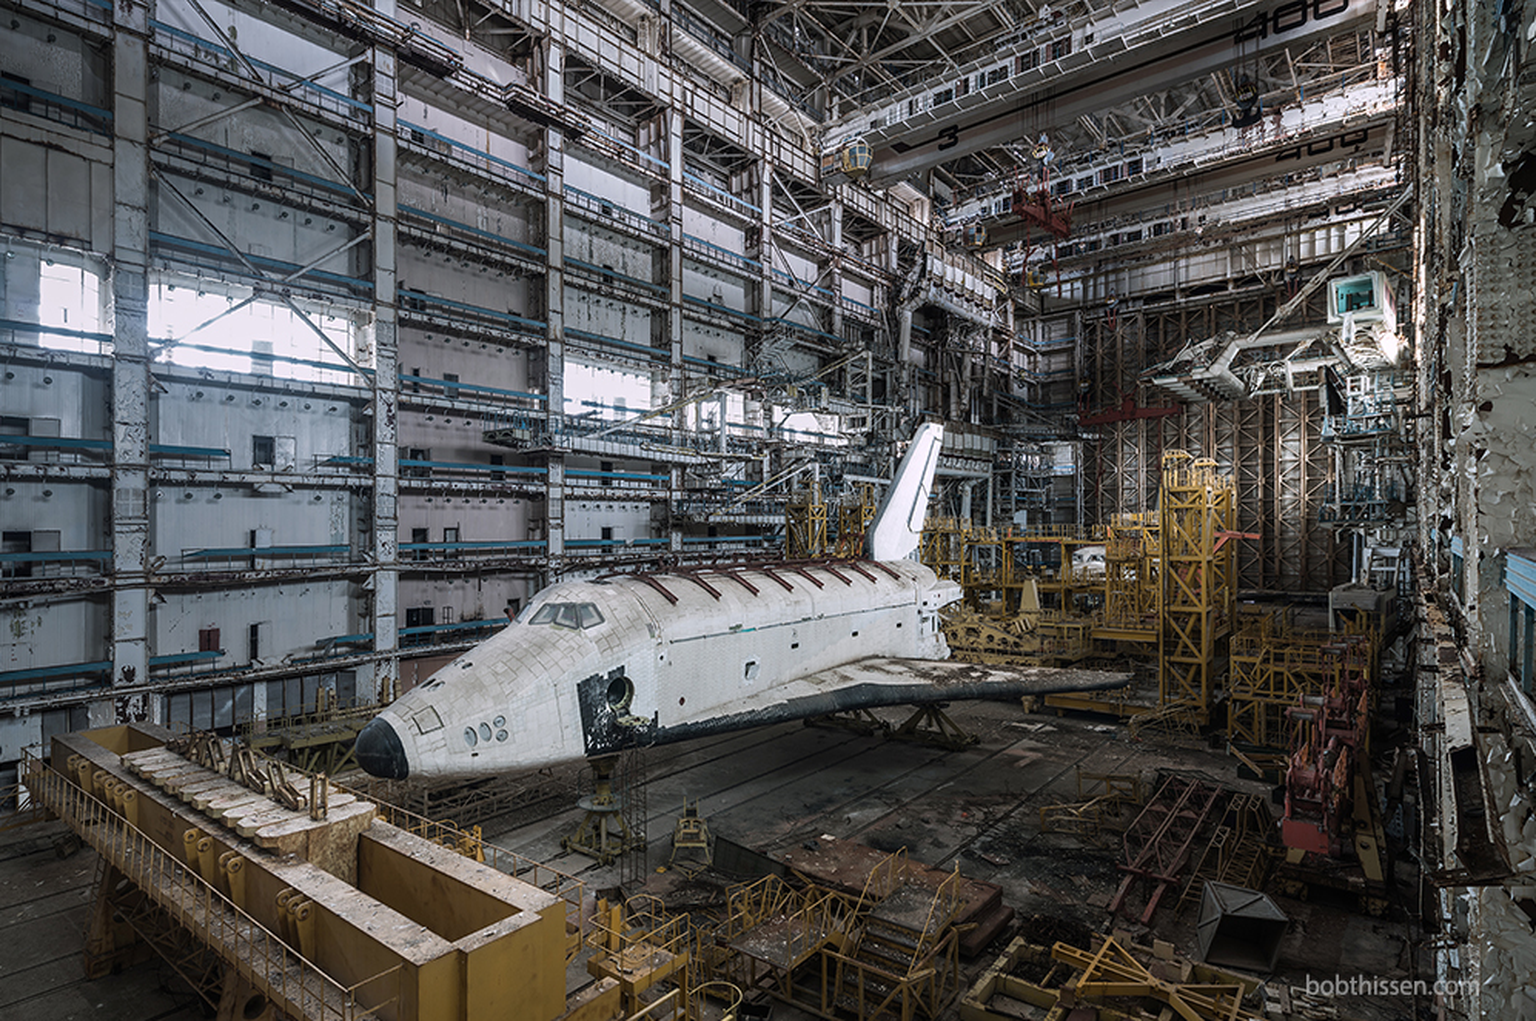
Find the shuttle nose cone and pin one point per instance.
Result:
(380, 752)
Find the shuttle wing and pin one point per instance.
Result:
(880, 681)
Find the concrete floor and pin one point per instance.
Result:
(772, 789)
(45, 904)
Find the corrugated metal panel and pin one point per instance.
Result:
(1520, 578)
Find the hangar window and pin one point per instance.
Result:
(577, 615)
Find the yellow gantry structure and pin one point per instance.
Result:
(1167, 578)
(805, 523)
(1198, 579)
(1131, 552)
(1277, 665)
(853, 517)
(943, 547)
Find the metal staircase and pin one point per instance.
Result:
(904, 958)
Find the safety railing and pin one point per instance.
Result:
(551, 880)
(324, 711)
(607, 209)
(871, 991)
(750, 904)
(50, 106)
(699, 186)
(418, 138)
(195, 48)
(941, 911)
(258, 558)
(18, 808)
(883, 879)
(292, 982)
(57, 564)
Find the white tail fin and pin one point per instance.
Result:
(898, 524)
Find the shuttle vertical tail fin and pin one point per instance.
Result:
(898, 524)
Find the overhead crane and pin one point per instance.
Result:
(1347, 114)
(1065, 71)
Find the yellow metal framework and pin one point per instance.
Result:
(1275, 664)
(273, 965)
(1109, 982)
(1198, 579)
(943, 547)
(805, 523)
(853, 518)
(1130, 581)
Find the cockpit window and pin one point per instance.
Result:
(571, 615)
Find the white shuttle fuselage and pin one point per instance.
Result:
(660, 658)
(592, 667)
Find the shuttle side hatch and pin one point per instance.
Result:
(607, 725)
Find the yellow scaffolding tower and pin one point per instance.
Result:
(1198, 582)
(853, 518)
(1130, 581)
(805, 523)
(943, 547)
(1277, 665)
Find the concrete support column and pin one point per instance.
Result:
(386, 383)
(835, 268)
(130, 364)
(764, 256)
(554, 305)
(903, 397)
(674, 530)
(669, 209)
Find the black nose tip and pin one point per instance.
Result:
(380, 752)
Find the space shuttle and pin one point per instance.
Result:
(590, 668)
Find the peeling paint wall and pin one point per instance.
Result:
(1477, 355)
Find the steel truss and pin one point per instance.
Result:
(1274, 444)
(1198, 577)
